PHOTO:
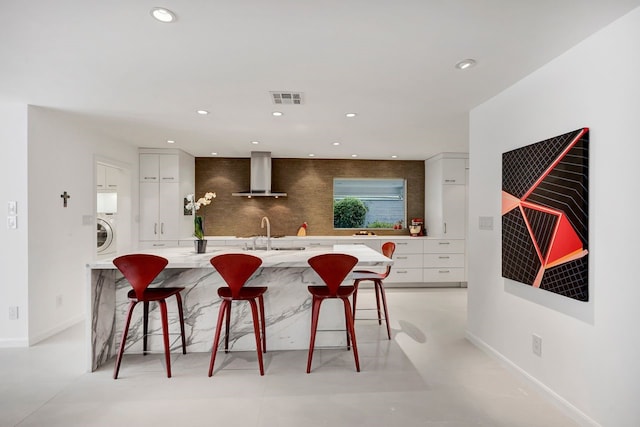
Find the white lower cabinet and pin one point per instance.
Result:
(404, 275)
(417, 261)
(407, 261)
(443, 261)
(148, 244)
(443, 275)
(423, 260)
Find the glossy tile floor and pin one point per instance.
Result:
(427, 375)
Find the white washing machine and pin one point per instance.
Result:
(107, 237)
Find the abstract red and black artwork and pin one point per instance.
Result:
(545, 201)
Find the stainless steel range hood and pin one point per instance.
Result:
(260, 177)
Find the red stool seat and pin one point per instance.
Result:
(332, 269)
(140, 270)
(245, 293)
(388, 249)
(235, 270)
(154, 294)
(324, 292)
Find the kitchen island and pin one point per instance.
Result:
(287, 302)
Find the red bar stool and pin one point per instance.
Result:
(236, 269)
(332, 269)
(388, 249)
(140, 270)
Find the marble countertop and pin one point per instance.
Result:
(186, 257)
(311, 237)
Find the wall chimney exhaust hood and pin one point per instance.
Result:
(260, 177)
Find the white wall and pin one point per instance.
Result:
(591, 351)
(62, 153)
(13, 243)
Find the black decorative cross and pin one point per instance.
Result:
(66, 197)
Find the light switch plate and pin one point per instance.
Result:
(485, 223)
(12, 208)
(12, 222)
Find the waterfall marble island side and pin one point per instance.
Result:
(287, 302)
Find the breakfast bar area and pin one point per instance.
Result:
(287, 302)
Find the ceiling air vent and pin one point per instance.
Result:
(291, 98)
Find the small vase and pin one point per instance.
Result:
(201, 246)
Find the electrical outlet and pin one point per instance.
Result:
(536, 345)
(13, 312)
(58, 301)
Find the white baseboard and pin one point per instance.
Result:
(424, 284)
(564, 405)
(56, 329)
(9, 343)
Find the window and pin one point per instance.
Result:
(369, 203)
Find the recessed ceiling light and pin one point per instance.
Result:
(350, 115)
(394, 157)
(170, 141)
(277, 113)
(202, 112)
(354, 155)
(255, 142)
(163, 15)
(214, 154)
(312, 155)
(336, 143)
(465, 63)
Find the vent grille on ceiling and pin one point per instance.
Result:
(292, 98)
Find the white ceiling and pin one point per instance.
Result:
(391, 61)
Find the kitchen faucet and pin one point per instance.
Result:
(265, 219)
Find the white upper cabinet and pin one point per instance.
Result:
(107, 177)
(159, 168)
(454, 171)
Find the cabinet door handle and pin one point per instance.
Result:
(401, 257)
(449, 180)
(162, 228)
(443, 257)
(150, 177)
(443, 243)
(168, 178)
(155, 228)
(401, 243)
(158, 244)
(112, 185)
(445, 228)
(401, 271)
(444, 271)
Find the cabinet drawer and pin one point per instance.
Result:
(406, 246)
(443, 260)
(443, 274)
(404, 275)
(148, 244)
(444, 246)
(371, 242)
(407, 260)
(317, 243)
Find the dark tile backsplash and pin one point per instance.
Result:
(309, 185)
